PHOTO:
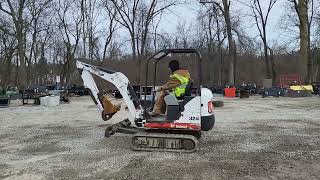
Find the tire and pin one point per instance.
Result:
(218, 103)
(207, 122)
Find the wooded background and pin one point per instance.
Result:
(40, 39)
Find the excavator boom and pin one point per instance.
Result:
(117, 79)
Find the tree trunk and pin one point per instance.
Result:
(234, 54)
(33, 49)
(67, 65)
(84, 36)
(105, 51)
(273, 70)
(266, 57)
(318, 73)
(310, 64)
(304, 37)
(8, 69)
(134, 55)
(221, 67)
(8, 56)
(22, 66)
(139, 81)
(230, 40)
(221, 70)
(17, 70)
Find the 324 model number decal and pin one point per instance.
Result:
(193, 118)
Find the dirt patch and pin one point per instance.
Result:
(65, 173)
(3, 168)
(272, 138)
(302, 122)
(264, 127)
(43, 148)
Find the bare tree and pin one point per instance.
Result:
(155, 33)
(70, 28)
(146, 16)
(212, 21)
(183, 35)
(127, 12)
(136, 16)
(37, 25)
(305, 20)
(83, 9)
(112, 15)
(6, 53)
(317, 71)
(226, 13)
(261, 20)
(90, 11)
(207, 38)
(15, 11)
(224, 6)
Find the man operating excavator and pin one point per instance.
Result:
(178, 82)
(186, 115)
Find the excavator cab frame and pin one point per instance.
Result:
(160, 55)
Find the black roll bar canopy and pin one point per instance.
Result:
(162, 54)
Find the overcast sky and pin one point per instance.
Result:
(188, 13)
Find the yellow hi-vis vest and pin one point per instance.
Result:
(180, 90)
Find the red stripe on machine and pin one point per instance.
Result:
(166, 125)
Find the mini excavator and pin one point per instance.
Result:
(176, 131)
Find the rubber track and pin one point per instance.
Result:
(167, 136)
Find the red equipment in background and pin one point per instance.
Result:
(287, 80)
(230, 92)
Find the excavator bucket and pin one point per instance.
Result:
(110, 106)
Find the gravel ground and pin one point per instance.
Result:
(272, 138)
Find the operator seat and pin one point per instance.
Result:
(176, 105)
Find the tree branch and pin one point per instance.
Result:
(4, 10)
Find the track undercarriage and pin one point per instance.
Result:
(164, 142)
(156, 139)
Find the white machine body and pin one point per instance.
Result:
(197, 108)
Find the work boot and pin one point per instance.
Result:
(152, 113)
